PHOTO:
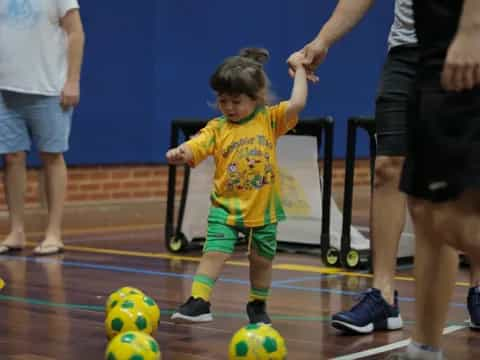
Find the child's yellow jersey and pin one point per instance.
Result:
(246, 181)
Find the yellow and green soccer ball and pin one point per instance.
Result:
(137, 296)
(127, 315)
(133, 345)
(150, 306)
(119, 295)
(257, 342)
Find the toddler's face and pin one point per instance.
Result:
(236, 107)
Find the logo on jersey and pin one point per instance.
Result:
(21, 14)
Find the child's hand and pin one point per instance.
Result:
(176, 156)
(298, 60)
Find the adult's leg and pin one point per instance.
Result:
(474, 274)
(56, 186)
(50, 127)
(435, 270)
(378, 309)
(473, 297)
(14, 184)
(388, 209)
(441, 229)
(387, 220)
(14, 142)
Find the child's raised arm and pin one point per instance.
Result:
(298, 98)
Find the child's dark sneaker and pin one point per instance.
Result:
(371, 313)
(194, 310)
(473, 304)
(257, 312)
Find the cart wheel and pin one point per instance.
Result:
(352, 260)
(332, 257)
(177, 243)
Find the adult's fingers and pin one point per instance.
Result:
(448, 76)
(468, 77)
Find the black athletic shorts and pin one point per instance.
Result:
(396, 90)
(443, 157)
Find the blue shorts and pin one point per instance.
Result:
(27, 117)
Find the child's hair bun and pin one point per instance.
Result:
(258, 54)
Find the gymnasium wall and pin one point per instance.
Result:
(133, 184)
(148, 62)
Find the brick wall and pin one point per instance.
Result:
(88, 184)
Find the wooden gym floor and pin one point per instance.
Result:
(52, 307)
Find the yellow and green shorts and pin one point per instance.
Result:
(222, 238)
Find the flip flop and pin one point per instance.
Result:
(5, 249)
(48, 249)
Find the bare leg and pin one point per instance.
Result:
(474, 274)
(387, 215)
(211, 264)
(260, 271)
(56, 185)
(439, 229)
(435, 271)
(260, 282)
(388, 212)
(15, 182)
(197, 307)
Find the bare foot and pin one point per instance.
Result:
(52, 240)
(16, 239)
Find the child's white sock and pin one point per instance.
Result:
(423, 352)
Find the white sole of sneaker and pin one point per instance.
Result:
(473, 326)
(177, 317)
(392, 324)
(344, 326)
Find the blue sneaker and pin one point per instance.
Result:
(473, 304)
(371, 313)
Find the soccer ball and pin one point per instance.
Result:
(151, 308)
(118, 295)
(127, 316)
(257, 342)
(133, 345)
(148, 305)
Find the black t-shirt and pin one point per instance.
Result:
(436, 22)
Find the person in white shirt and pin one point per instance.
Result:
(41, 44)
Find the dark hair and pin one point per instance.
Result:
(243, 74)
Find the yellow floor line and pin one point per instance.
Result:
(100, 230)
(400, 278)
(289, 267)
(306, 268)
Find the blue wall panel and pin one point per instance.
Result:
(150, 63)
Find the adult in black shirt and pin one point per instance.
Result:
(442, 167)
